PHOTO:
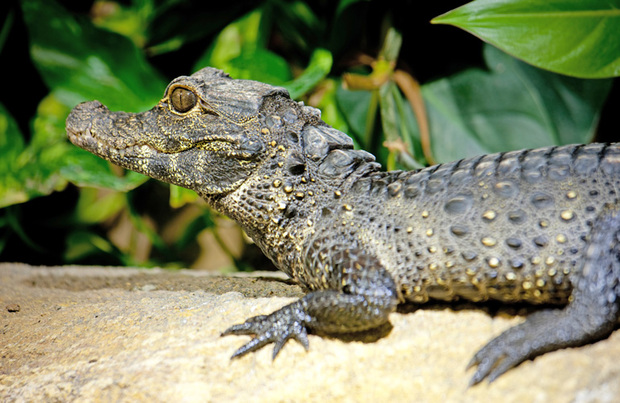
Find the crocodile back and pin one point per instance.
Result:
(506, 226)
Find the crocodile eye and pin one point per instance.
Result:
(182, 99)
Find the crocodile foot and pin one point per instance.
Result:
(512, 347)
(286, 323)
(367, 299)
(591, 314)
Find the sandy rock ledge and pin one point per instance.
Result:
(115, 334)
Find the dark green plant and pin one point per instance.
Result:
(114, 55)
(576, 38)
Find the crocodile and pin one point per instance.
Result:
(534, 226)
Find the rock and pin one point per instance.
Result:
(12, 308)
(116, 334)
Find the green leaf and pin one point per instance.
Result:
(94, 207)
(231, 42)
(398, 125)
(128, 20)
(389, 119)
(81, 62)
(297, 22)
(194, 228)
(512, 106)
(356, 108)
(11, 146)
(181, 196)
(12, 218)
(49, 160)
(32, 170)
(239, 51)
(49, 151)
(260, 65)
(318, 68)
(177, 23)
(577, 38)
(391, 47)
(326, 100)
(11, 139)
(81, 244)
(85, 169)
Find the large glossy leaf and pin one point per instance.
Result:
(577, 38)
(511, 106)
(79, 62)
(27, 171)
(260, 65)
(82, 62)
(239, 50)
(48, 161)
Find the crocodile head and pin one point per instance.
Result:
(202, 135)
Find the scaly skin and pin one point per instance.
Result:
(538, 226)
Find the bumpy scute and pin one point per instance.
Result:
(537, 226)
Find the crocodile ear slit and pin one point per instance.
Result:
(296, 164)
(273, 91)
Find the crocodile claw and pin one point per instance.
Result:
(279, 327)
(491, 362)
(541, 332)
(504, 352)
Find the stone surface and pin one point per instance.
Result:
(114, 334)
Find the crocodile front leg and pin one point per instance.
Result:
(365, 299)
(591, 315)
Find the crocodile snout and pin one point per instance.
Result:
(79, 124)
(80, 119)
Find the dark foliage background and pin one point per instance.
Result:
(359, 61)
